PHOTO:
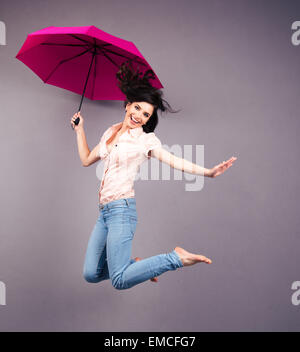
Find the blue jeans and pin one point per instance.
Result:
(108, 254)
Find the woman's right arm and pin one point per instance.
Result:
(87, 157)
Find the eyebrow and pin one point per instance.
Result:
(141, 108)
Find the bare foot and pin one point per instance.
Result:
(154, 279)
(188, 258)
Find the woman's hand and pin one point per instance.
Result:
(220, 168)
(80, 125)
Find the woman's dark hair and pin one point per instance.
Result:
(138, 89)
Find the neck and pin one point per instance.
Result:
(125, 128)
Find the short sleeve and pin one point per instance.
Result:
(151, 142)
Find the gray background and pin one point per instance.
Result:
(230, 66)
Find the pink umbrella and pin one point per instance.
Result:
(65, 57)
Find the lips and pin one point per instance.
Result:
(133, 120)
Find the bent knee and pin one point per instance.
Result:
(90, 277)
(119, 284)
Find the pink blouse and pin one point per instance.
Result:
(123, 161)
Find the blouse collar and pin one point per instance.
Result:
(135, 132)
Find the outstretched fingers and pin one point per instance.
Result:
(228, 162)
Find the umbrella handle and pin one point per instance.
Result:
(76, 122)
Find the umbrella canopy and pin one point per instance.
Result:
(84, 60)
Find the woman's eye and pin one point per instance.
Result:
(137, 107)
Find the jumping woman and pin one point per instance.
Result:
(123, 147)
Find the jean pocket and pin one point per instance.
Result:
(116, 208)
(116, 212)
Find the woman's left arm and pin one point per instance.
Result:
(186, 166)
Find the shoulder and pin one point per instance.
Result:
(149, 137)
(109, 129)
(150, 141)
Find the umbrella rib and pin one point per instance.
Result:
(63, 61)
(109, 58)
(126, 57)
(75, 36)
(87, 42)
(63, 44)
(100, 46)
(95, 75)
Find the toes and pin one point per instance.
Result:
(205, 259)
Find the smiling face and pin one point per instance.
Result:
(137, 114)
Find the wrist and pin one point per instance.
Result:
(208, 172)
(79, 129)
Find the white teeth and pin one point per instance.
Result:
(134, 119)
